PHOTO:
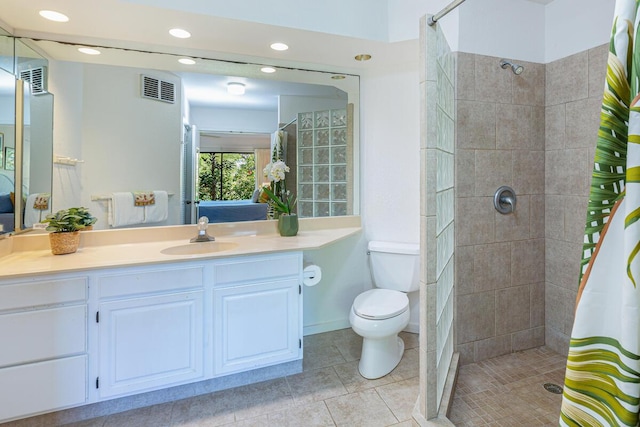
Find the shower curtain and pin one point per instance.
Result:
(602, 381)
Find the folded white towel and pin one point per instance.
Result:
(122, 211)
(31, 215)
(159, 211)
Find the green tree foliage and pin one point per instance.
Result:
(226, 176)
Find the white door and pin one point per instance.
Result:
(150, 342)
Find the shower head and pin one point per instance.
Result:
(516, 68)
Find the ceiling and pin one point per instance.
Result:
(141, 24)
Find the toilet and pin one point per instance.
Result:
(379, 314)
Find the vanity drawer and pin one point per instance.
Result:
(42, 334)
(42, 293)
(265, 268)
(147, 281)
(40, 387)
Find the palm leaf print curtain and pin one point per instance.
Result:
(602, 381)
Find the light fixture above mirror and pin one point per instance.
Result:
(235, 88)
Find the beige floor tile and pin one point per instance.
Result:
(156, 415)
(354, 382)
(94, 422)
(214, 409)
(401, 397)
(408, 366)
(312, 386)
(316, 357)
(362, 409)
(262, 398)
(314, 414)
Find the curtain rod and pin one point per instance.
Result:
(290, 123)
(435, 18)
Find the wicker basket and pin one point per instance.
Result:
(64, 243)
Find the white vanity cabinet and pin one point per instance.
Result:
(43, 344)
(77, 338)
(150, 324)
(257, 305)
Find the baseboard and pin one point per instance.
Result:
(325, 327)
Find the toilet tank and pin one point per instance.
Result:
(395, 265)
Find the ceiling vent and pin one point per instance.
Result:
(160, 90)
(37, 79)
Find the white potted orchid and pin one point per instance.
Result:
(282, 200)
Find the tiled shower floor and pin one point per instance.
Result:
(508, 390)
(505, 391)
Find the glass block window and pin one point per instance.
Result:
(323, 163)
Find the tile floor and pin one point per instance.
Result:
(508, 390)
(504, 391)
(329, 392)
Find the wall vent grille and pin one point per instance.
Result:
(160, 90)
(37, 79)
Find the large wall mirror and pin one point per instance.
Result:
(111, 135)
(26, 136)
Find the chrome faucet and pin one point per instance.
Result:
(203, 236)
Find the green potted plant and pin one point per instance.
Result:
(64, 226)
(281, 200)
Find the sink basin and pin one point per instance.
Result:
(199, 248)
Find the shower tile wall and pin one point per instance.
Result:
(574, 88)
(500, 259)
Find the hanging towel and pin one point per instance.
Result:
(123, 212)
(602, 380)
(31, 214)
(159, 211)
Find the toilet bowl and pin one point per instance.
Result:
(379, 314)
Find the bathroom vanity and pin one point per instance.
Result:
(115, 320)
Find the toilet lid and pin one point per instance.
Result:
(380, 304)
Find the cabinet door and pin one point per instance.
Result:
(256, 325)
(150, 342)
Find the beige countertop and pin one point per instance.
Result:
(27, 255)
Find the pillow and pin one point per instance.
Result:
(255, 196)
(6, 204)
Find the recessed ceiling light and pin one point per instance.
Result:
(52, 15)
(89, 51)
(235, 88)
(279, 46)
(268, 70)
(363, 57)
(180, 33)
(186, 61)
(338, 77)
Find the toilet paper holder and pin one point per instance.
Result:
(311, 274)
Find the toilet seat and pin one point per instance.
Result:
(380, 304)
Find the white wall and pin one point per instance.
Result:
(290, 106)
(66, 80)
(390, 145)
(231, 119)
(506, 28)
(574, 26)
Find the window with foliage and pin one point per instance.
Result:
(226, 176)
